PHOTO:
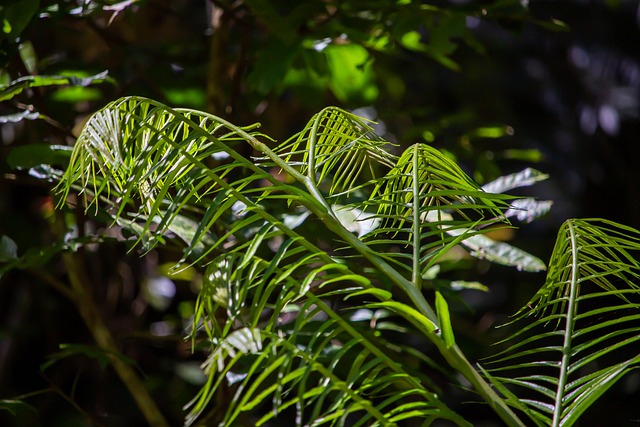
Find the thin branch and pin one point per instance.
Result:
(77, 407)
(90, 313)
(55, 284)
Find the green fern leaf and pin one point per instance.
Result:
(575, 334)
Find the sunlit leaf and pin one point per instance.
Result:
(578, 329)
(445, 320)
(483, 247)
(524, 178)
(528, 209)
(355, 220)
(17, 117)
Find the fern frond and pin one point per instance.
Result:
(338, 145)
(429, 204)
(575, 333)
(163, 172)
(313, 362)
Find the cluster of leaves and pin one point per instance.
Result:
(318, 46)
(318, 249)
(290, 325)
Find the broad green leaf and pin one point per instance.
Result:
(351, 74)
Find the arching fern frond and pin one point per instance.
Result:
(572, 336)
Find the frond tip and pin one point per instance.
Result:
(583, 324)
(338, 145)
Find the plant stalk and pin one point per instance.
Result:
(90, 313)
(568, 330)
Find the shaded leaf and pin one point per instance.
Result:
(103, 357)
(8, 249)
(14, 406)
(351, 74)
(17, 86)
(28, 156)
(23, 115)
(15, 16)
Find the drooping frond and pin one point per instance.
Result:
(582, 325)
(155, 168)
(338, 145)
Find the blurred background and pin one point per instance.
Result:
(499, 85)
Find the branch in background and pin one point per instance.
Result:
(90, 313)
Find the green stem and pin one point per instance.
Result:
(568, 330)
(416, 274)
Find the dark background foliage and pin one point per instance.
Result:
(500, 86)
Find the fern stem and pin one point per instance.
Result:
(568, 331)
(311, 171)
(416, 274)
